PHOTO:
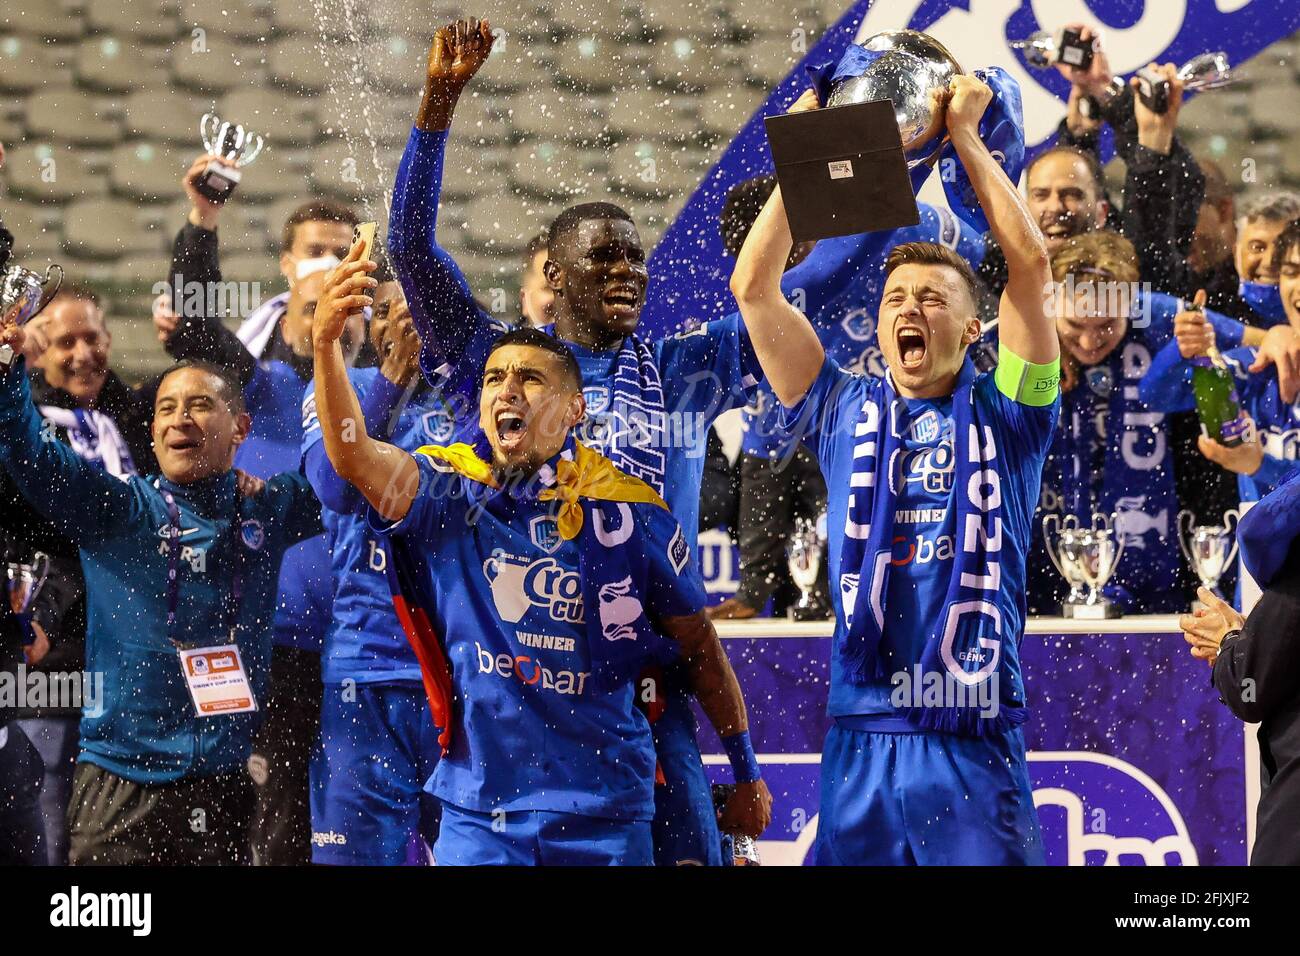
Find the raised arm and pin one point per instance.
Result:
(451, 326)
(784, 341)
(48, 473)
(384, 474)
(1024, 326)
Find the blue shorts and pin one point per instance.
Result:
(539, 838)
(685, 825)
(928, 799)
(368, 804)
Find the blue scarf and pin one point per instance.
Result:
(1265, 300)
(639, 440)
(1267, 531)
(1137, 472)
(1002, 129)
(966, 642)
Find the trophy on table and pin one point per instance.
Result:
(234, 146)
(23, 294)
(1086, 556)
(804, 553)
(1209, 548)
(25, 583)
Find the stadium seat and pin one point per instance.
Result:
(556, 170)
(480, 119)
(106, 229)
(504, 223)
(51, 173)
(725, 110)
(685, 63)
(165, 114)
(400, 65)
(254, 267)
(54, 19)
(345, 170)
(281, 120)
(305, 18)
(213, 63)
(142, 270)
(556, 114)
(628, 109)
(470, 168)
(147, 171)
(768, 16)
(270, 176)
(69, 115)
(150, 20)
(36, 232)
(516, 66)
(297, 63)
(238, 18)
(1262, 107)
(28, 63)
(113, 64)
(768, 59)
(645, 168)
(594, 62)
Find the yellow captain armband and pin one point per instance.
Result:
(1025, 382)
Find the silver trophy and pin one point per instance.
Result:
(234, 146)
(1058, 536)
(1209, 548)
(26, 581)
(913, 74)
(1088, 555)
(23, 294)
(1043, 49)
(804, 554)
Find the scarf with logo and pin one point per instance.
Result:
(965, 644)
(255, 331)
(593, 504)
(632, 431)
(93, 436)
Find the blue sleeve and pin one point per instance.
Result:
(1167, 386)
(829, 410)
(296, 506)
(379, 399)
(49, 474)
(675, 588)
(454, 332)
(1274, 472)
(1228, 332)
(1267, 530)
(709, 370)
(428, 512)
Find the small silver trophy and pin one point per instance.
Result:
(234, 146)
(1209, 548)
(23, 294)
(1088, 554)
(25, 583)
(913, 74)
(804, 553)
(1059, 532)
(1043, 49)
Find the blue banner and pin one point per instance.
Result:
(689, 268)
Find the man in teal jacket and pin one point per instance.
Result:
(157, 782)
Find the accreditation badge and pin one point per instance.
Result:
(217, 680)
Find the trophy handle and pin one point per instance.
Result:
(1179, 523)
(1231, 519)
(208, 118)
(1119, 540)
(248, 155)
(47, 292)
(1055, 519)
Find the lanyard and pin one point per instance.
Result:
(234, 599)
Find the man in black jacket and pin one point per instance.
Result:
(1256, 665)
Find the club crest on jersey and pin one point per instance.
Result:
(1099, 380)
(859, 325)
(545, 533)
(252, 534)
(597, 399)
(438, 426)
(925, 428)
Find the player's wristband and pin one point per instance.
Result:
(740, 751)
(1027, 382)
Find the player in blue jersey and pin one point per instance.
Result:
(933, 474)
(378, 745)
(1268, 456)
(837, 284)
(649, 405)
(551, 579)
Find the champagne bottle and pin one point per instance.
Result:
(1217, 404)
